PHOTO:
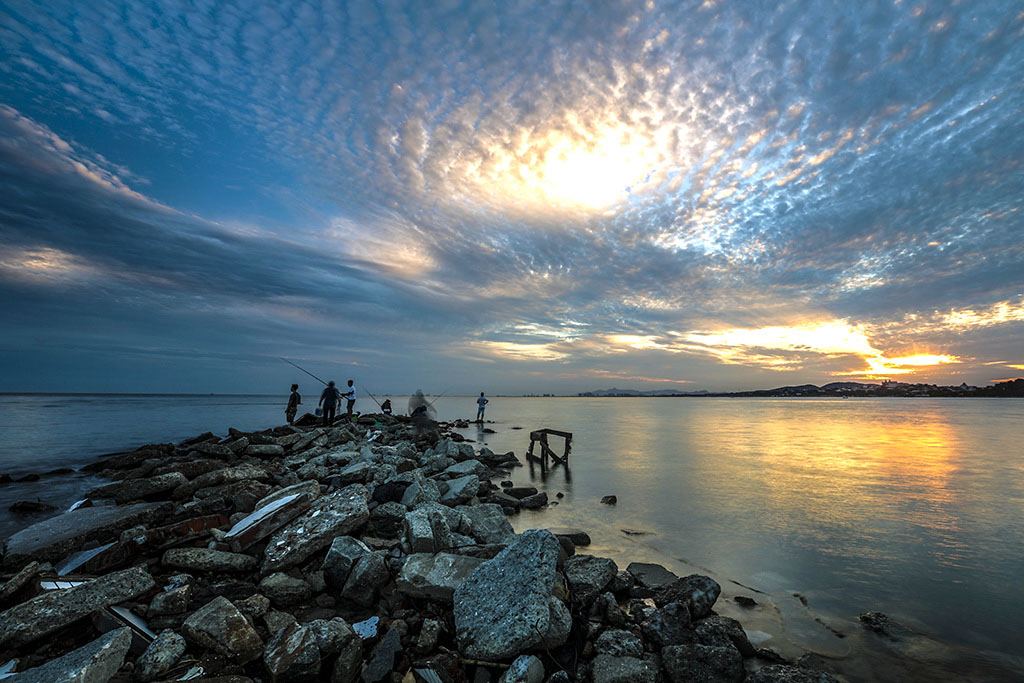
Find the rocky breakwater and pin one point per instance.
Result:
(363, 552)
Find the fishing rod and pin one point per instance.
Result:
(438, 397)
(304, 370)
(374, 399)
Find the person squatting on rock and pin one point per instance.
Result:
(350, 396)
(329, 400)
(385, 407)
(480, 403)
(294, 401)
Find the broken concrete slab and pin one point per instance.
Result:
(54, 538)
(268, 518)
(292, 655)
(162, 654)
(435, 576)
(461, 490)
(18, 581)
(139, 489)
(96, 662)
(220, 627)
(336, 514)
(53, 610)
(206, 560)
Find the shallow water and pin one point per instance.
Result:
(907, 506)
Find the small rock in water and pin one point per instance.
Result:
(744, 601)
(633, 532)
(609, 500)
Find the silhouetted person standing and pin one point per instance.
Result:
(350, 395)
(294, 401)
(480, 403)
(329, 400)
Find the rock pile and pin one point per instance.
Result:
(358, 552)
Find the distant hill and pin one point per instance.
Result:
(1008, 389)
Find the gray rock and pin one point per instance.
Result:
(18, 581)
(781, 673)
(331, 636)
(284, 590)
(382, 658)
(340, 558)
(524, 669)
(589, 575)
(577, 536)
(163, 653)
(435, 576)
(53, 539)
(623, 581)
(138, 489)
(349, 663)
(461, 490)
(693, 663)
(368, 574)
(429, 635)
(502, 608)
(275, 620)
(96, 662)
(652, 576)
(53, 610)
(225, 475)
(309, 490)
(206, 560)
(619, 643)
(559, 626)
(697, 592)
(254, 607)
(669, 625)
(464, 468)
(608, 669)
(535, 502)
(265, 450)
(292, 655)
(421, 490)
(220, 627)
(487, 523)
(520, 492)
(356, 473)
(173, 601)
(336, 514)
(718, 629)
(387, 518)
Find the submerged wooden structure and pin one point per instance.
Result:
(540, 436)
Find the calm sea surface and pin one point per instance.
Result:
(908, 506)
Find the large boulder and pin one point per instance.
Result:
(697, 592)
(138, 489)
(336, 514)
(53, 610)
(503, 607)
(220, 627)
(59, 536)
(690, 663)
(719, 630)
(461, 490)
(487, 523)
(435, 576)
(369, 573)
(651, 576)
(669, 625)
(340, 558)
(588, 575)
(96, 662)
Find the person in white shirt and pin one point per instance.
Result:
(350, 395)
(480, 403)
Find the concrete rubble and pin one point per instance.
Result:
(368, 551)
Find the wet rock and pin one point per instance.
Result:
(461, 490)
(430, 632)
(205, 436)
(348, 664)
(284, 590)
(386, 519)
(254, 607)
(292, 655)
(18, 581)
(744, 601)
(138, 489)
(331, 636)
(781, 673)
(487, 523)
(464, 468)
(718, 629)
(162, 654)
(524, 669)
(535, 502)
(577, 536)
(340, 558)
(96, 662)
(218, 477)
(520, 492)
(173, 601)
(702, 663)
(435, 576)
(275, 620)
(383, 657)
(697, 592)
(609, 500)
(652, 576)
(59, 536)
(588, 575)
(206, 560)
(53, 610)
(220, 627)
(559, 625)
(502, 608)
(265, 450)
(669, 625)
(622, 582)
(368, 573)
(268, 517)
(880, 623)
(420, 490)
(608, 669)
(336, 514)
(619, 643)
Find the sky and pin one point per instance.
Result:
(511, 197)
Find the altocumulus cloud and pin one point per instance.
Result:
(712, 192)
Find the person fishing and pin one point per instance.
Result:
(480, 404)
(350, 396)
(329, 400)
(294, 401)
(385, 407)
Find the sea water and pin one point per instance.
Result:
(907, 506)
